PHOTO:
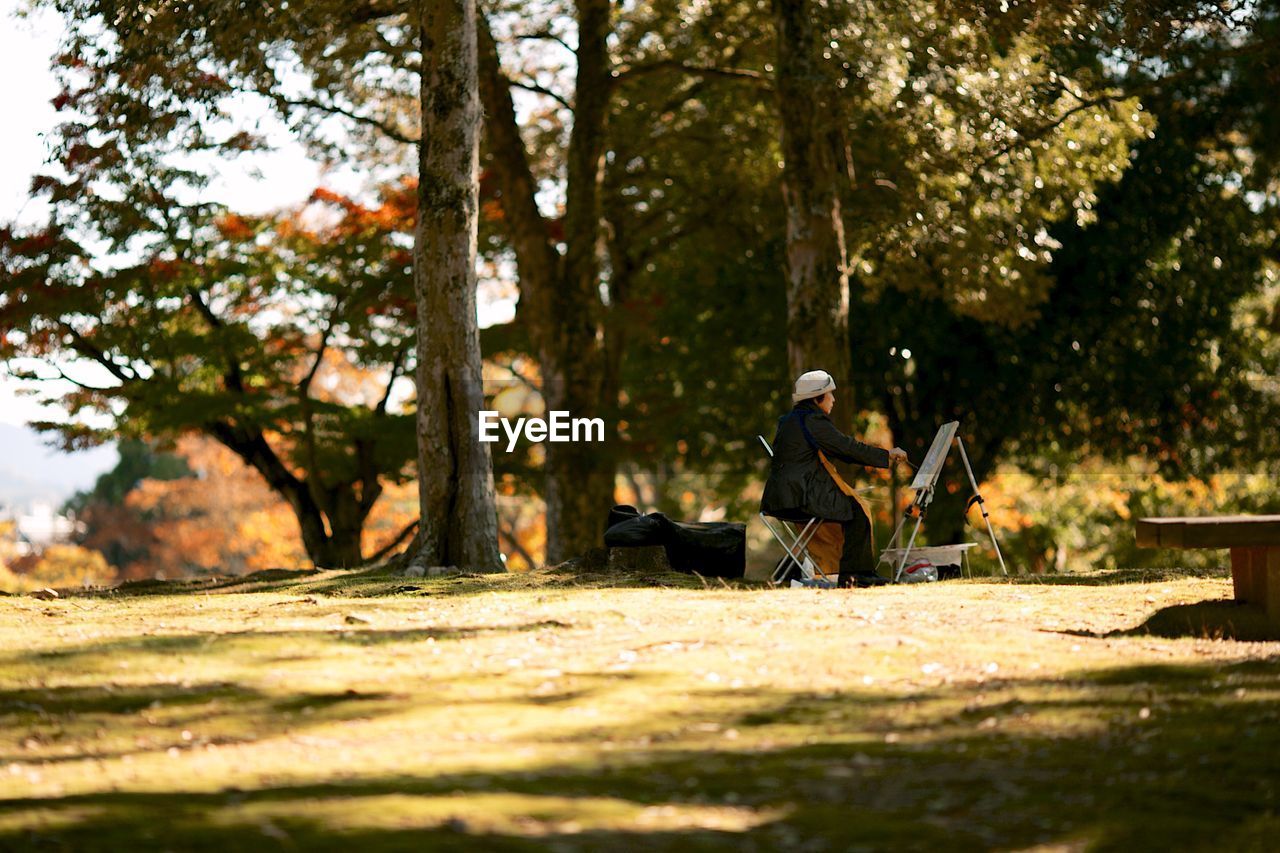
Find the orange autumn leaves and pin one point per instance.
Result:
(224, 520)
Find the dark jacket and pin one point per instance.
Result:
(797, 481)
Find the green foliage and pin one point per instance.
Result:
(695, 251)
(1084, 519)
(174, 66)
(1144, 345)
(1063, 242)
(965, 145)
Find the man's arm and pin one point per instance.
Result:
(845, 448)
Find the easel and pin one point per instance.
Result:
(925, 482)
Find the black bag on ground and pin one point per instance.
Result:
(712, 549)
(629, 528)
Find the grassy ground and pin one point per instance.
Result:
(323, 710)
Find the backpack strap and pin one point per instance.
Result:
(843, 486)
(804, 427)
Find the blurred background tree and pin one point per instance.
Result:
(282, 337)
(1143, 344)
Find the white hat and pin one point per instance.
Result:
(815, 383)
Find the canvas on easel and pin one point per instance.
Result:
(924, 483)
(931, 467)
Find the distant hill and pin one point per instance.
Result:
(31, 470)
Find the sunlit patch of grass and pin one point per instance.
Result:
(324, 712)
(32, 821)
(508, 814)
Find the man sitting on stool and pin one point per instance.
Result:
(802, 478)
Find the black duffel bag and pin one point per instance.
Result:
(712, 549)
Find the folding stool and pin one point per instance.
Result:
(793, 532)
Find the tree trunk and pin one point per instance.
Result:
(560, 294)
(817, 277)
(580, 477)
(455, 471)
(330, 519)
(339, 549)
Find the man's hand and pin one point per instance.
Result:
(897, 454)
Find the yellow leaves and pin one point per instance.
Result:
(62, 566)
(517, 401)
(1001, 501)
(1089, 513)
(528, 539)
(224, 520)
(396, 508)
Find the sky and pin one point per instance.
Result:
(25, 49)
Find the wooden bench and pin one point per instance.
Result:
(1254, 541)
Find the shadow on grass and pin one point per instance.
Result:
(1177, 757)
(380, 581)
(285, 642)
(1215, 619)
(135, 719)
(110, 699)
(1211, 619)
(1110, 577)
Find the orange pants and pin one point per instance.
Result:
(826, 545)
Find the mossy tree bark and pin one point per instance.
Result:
(560, 299)
(456, 495)
(816, 272)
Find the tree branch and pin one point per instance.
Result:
(252, 447)
(544, 35)
(81, 345)
(1144, 86)
(396, 365)
(333, 109)
(542, 90)
(32, 376)
(304, 387)
(372, 10)
(370, 488)
(234, 378)
(62, 374)
(395, 543)
(1049, 127)
(633, 72)
(507, 532)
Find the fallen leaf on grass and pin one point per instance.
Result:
(308, 600)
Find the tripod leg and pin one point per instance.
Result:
(896, 538)
(897, 534)
(982, 505)
(907, 553)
